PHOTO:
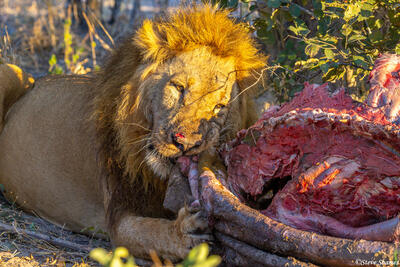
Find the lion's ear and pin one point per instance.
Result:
(149, 39)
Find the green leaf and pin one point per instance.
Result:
(75, 58)
(311, 50)
(309, 63)
(266, 36)
(293, 29)
(300, 28)
(356, 37)
(334, 74)
(53, 60)
(329, 53)
(292, 56)
(212, 261)
(294, 10)
(68, 22)
(274, 3)
(330, 39)
(58, 70)
(351, 11)
(369, 7)
(325, 67)
(121, 252)
(346, 29)
(202, 252)
(378, 24)
(397, 49)
(323, 24)
(116, 262)
(366, 11)
(360, 61)
(317, 5)
(100, 255)
(192, 256)
(376, 36)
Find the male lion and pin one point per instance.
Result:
(98, 151)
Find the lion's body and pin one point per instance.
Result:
(48, 156)
(97, 152)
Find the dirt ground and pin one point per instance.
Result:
(18, 248)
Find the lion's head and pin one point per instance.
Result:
(179, 91)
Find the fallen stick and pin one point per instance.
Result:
(241, 222)
(59, 242)
(50, 239)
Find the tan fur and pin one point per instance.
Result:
(14, 83)
(109, 140)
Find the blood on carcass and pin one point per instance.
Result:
(343, 165)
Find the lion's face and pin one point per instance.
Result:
(189, 98)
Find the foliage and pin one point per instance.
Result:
(198, 257)
(72, 63)
(323, 40)
(119, 258)
(54, 68)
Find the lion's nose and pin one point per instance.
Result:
(178, 140)
(182, 142)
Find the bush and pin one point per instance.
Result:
(322, 40)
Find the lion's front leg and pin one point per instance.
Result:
(170, 239)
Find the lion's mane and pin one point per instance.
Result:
(117, 97)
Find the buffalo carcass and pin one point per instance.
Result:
(316, 181)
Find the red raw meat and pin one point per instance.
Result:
(342, 158)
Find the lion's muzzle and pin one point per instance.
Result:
(184, 143)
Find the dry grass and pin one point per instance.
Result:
(31, 31)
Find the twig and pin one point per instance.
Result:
(104, 29)
(309, 12)
(50, 239)
(58, 242)
(355, 66)
(92, 44)
(260, 77)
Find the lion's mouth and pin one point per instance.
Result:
(152, 149)
(157, 161)
(163, 149)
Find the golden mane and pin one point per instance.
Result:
(117, 106)
(190, 28)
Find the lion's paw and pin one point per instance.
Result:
(192, 227)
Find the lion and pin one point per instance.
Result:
(97, 151)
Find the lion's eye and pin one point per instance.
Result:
(178, 87)
(218, 108)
